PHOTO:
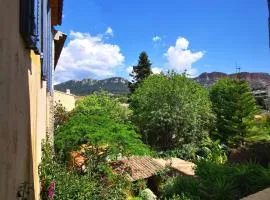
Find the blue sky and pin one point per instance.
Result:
(106, 36)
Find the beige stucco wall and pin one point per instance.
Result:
(37, 90)
(67, 100)
(22, 107)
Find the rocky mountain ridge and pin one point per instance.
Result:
(256, 80)
(119, 86)
(114, 85)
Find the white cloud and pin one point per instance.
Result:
(129, 70)
(180, 58)
(156, 70)
(109, 31)
(156, 38)
(88, 56)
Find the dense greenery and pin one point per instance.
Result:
(171, 111)
(220, 181)
(174, 115)
(62, 184)
(100, 120)
(61, 115)
(141, 71)
(233, 104)
(259, 130)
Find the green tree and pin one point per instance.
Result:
(97, 182)
(233, 103)
(171, 111)
(61, 115)
(100, 120)
(141, 71)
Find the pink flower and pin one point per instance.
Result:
(51, 190)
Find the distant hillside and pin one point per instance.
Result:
(118, 85)
(115, 85)
(256, 80)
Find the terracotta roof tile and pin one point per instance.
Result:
(136, 168)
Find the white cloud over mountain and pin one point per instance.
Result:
(180, 58)
(155, 70)
(88, 56)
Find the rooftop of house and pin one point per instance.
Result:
(138, 168)
(56, 11)
(59, 41)
(182, 166)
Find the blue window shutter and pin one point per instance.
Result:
(44, 40)
(47, 39)
(50, 61)
(38, 25)
(29, 27)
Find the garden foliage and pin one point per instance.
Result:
(233, 104)
(171, 111)
(99, 120)
(140, 72)
(220, 181)
(98, 182)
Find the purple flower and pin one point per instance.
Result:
(51, 190)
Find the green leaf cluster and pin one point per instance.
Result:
(100, 120)
(141, 71)
(97, 183)
(219, 181)
(171, 111)
(233, 103)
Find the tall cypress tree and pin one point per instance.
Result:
(233, 103)
(141, 71)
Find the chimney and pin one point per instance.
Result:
(68, 91)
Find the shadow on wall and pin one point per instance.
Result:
(16, 161)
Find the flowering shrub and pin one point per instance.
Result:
(59, 183)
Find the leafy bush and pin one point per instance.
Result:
(138, 186)
(135, 198)
(97, 183)
(147, 194)
(61, 115)
(207, 149)
(186, 152)
(258, 130)
(217, 181)
(213, 151)
(183, 186)
(171, 111)
(231, 181)
(99, 120)
(180, 197)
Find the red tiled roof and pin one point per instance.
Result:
(136, 168)
(183, 167)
